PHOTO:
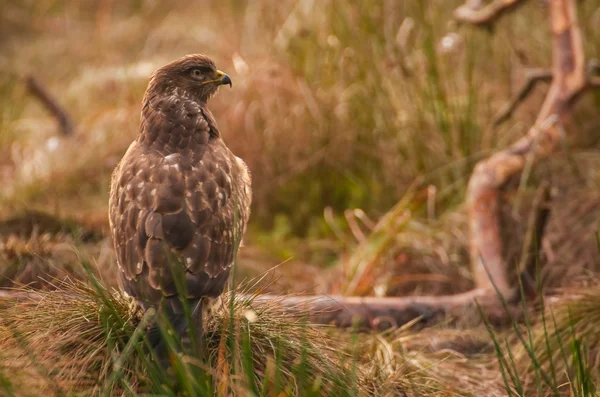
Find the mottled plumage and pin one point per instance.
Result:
(179, 197)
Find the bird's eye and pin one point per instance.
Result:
(196, 73)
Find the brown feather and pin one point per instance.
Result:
(178, 197)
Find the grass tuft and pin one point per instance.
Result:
(78, 337)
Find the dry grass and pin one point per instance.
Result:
(69, 339)
(62, 340)
(75, 337)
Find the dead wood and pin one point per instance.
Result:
(365, 313)
(378, 313)
(569, 80)
(37, 89)
(532, 77)
(570, 77)
(487, 14)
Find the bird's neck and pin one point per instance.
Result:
(175, 123)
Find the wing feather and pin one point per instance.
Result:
(188, 203)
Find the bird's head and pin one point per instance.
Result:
(194, 76)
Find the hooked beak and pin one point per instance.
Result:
(223, 78)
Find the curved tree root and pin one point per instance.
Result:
(377, 313)
(570, 77)
(569, 80)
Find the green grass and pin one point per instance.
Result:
(550, 354)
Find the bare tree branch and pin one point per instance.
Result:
(490, 175)
(532, 77)
(381, 313)
(38, 90)
(569, 78)
(487, 14)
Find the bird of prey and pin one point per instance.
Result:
(179, 198)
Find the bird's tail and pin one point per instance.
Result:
(175, 331)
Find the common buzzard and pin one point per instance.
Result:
(179, 199)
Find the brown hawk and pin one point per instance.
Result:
(179, 199)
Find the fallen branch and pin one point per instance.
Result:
(532, 77)
(569, 81)
(376, 313)
(37, 89)
(366, 313)
(490, 271)
(487, 14)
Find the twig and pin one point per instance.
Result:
(487, 14)
(40, 92)
(532, 77)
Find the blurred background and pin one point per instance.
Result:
(360, 122)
